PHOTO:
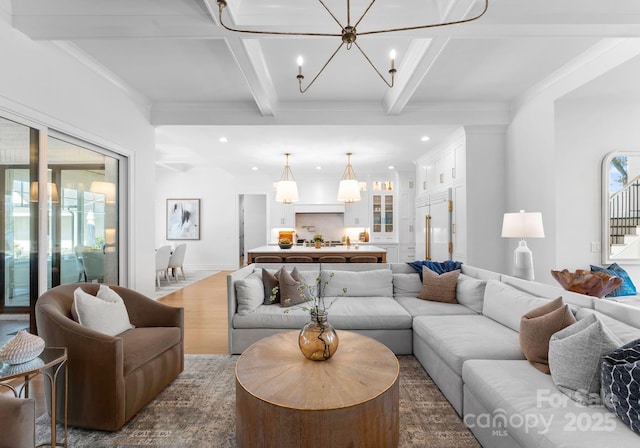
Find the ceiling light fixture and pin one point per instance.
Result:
(348, 35)
(287, 189)
(349, 189)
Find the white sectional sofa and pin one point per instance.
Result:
(471, 350)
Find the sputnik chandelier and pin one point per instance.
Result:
(348, 35)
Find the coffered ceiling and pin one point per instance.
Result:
(198, 81)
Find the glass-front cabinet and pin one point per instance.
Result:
(383, 218)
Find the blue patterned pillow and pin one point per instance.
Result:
(435, 266)
(620, 384)
(627, 288)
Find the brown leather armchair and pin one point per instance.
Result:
(112, 378)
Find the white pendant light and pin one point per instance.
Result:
(287, 189)
(349, 189)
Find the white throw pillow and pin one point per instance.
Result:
(249, 293)
(470, 292)
(506, 305)
(105, 313)
(406, 285)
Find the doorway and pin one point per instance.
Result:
(252, 221)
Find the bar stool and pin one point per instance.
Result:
(364, 259)
(267, 259)
(298, 259)
(332, 259)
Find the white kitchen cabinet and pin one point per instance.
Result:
(282, 215)
(356, 214)
(392, 252)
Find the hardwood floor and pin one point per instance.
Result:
(205, 314)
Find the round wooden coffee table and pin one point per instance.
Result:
(286, 400)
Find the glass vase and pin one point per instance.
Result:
(318, 340)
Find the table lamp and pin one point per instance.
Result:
(522, 225)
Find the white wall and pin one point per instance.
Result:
(530, 178)
(255, 221)
(485, 197)
(42, 85)
(586, 131)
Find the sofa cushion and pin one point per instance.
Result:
(458, 338)
(374, 283)
(470, 292)
(575, 358)
(249, 293)
(535, 413)
(419, 307)
(406, 285)
(270, 284)
(106, 313)
(506, 304)
(345, 313)
(141, 345)
(626, 333)
(439, 287)
(537, 327)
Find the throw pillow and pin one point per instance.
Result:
(406, 285)
(106, 315)
(575, 358)
(470, 292)
(621, 384)
(627, 288)
(291, 290)
(435, 266)
(439, 288)
(249, 293)
(270, 283)
(537, 327)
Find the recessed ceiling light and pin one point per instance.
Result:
(318, 167)
(223, 140)
(254, 168)
(425, 138)
(391, 167)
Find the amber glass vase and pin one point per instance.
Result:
(318, 340)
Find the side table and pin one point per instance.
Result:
(49, 363)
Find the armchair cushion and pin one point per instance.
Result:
(141, 345)
(105, 312)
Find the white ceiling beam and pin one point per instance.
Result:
(421, 55)
(347, 113)
(250, 59)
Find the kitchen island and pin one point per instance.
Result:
(344, 251)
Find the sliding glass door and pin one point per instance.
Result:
(71, 226)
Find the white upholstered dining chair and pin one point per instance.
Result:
(162, 263)
(176, 261)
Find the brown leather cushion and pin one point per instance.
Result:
(537, 327)
(17, 422)
(141, 345)
(439, 288)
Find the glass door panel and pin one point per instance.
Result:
(18, 217)
(83, 240)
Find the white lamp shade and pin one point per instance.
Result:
(287, 191)
(349, 190)
(522, 225)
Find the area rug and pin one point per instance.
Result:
(191, 277)
(198, 410)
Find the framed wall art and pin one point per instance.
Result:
(183, 219)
